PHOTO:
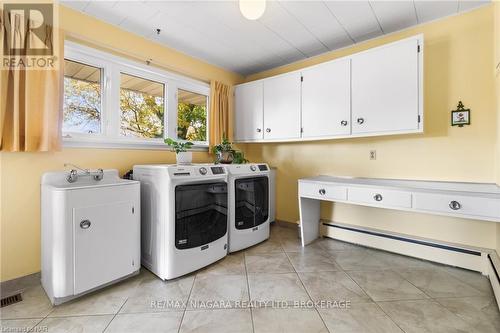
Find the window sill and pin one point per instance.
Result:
(100, 143)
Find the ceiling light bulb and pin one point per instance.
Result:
(252, 9)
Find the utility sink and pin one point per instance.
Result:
(90, 232)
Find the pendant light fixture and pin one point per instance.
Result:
(252, 9)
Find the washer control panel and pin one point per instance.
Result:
(217, 170)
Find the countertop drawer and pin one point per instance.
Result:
(378, 197)
(456, 204)
(323, 191)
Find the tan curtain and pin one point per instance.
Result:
(220, 106)
(31, 99)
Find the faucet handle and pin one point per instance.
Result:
(72, 176)
(99, 174)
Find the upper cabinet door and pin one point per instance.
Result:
(282, 107)
(385, 89)
(326, 100)
(249, 112)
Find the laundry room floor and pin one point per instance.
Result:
(277, 286)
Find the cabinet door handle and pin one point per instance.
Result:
(322, 191)
(343, 123)
(85, 224)
(360, 120)
(259, 130)
(377, 197)
(268, 130)
(455, 205)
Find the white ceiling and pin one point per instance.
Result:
(216, 32)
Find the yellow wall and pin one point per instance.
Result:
(20, 172)
(496, 63)
(458, 55)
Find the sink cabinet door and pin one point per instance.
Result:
(106, 249)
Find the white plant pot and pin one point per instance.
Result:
(185, 157)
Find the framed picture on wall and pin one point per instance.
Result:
(460, 116)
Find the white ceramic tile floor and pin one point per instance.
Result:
(330, 286)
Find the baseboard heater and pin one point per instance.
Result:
(446, 253)
(482, 260)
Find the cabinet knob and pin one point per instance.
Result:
(259, 130)
(360, 120)
(377, 197)
(322, 191)
(268, 130)
(343, 123)
(85, 224)
(455, 205)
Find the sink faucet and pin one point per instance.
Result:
(73, 173)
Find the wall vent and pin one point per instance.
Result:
(11, 300)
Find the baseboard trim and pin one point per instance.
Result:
(18, 285)
(494, 274)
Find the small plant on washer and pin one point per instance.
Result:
(180, 148)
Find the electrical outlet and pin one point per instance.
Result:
(373, 154)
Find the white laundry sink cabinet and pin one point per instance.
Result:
(90, 233)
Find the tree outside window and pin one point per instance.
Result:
(191, 116)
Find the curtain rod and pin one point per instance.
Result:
(150, 61)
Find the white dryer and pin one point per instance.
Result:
(249, 201)
(184, 217)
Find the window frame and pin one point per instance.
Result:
(112, 66)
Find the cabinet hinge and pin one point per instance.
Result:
(419, 118)
(418, 48)
(133, 210)
(301, 79)
(302, 130)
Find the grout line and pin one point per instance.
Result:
(307, 292)
(248, 289)
(117, 312)
(187, 303)
(390, 318)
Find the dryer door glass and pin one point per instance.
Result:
(200, 214)
(251, 202)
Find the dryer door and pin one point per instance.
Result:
(251, 202)
(200, 214)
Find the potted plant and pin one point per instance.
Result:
(224, 153)
(182, 155)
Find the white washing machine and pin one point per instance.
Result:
(184, 217)
(249, 202)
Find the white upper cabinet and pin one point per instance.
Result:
(386, 89)
(282, 107)
(326, 100)
(375, 92)
(249, 119)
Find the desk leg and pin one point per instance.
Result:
(309, 219)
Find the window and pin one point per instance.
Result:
(191, 116)
(110, 101)
(142, 106)
(82, 98)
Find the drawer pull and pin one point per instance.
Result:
(85, 224)
(268, 130)
(377, 197)
(322, 191)
(259, 130)
(360, 120)
(455, 205)
(343, 123)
